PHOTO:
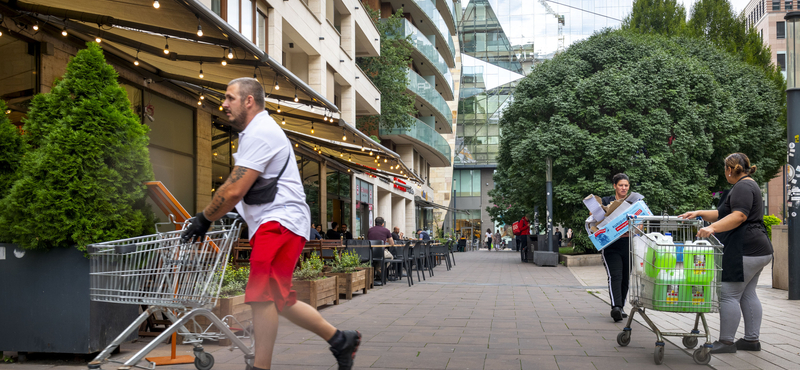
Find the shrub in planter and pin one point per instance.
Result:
(312, 286)
(81, 182)
(12, 149)
(344, 266)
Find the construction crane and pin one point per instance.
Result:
(560, 19)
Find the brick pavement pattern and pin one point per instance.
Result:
(489, 312)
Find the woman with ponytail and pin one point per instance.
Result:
(738, 224)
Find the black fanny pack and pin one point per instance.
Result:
(264, 190)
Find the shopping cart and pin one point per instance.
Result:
(179, 280)
(673, 271)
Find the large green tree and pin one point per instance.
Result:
(666, 17)
(388, 73)
(81, 182)
(663, 110)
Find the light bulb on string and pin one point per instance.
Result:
(370, 152)
(98, 39)
(350, 158)
(312, 127)
(166, 47)
(64, 31)
(283, 120)
(136, 61)
(277, 87)
(156, 4)
(230, 53)
(220, 108)
(296, 145)
(344, 135)
(201, 70)
(295, 95)
(279, 108)
(384, 160)
(36, 26)
(199, 28)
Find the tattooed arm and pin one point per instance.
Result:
(231, 192)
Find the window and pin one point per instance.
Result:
(247, 19)
(781, 30)
(788, 5)
(261, 30)
(776, 5)
(782, 60)
(216, 7)
(309, 173)
(233, 13)
(467, 183)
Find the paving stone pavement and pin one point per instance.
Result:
(780, 328)
(489, 312)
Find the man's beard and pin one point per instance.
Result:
(238, 120)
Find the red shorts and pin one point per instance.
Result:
(272, 262)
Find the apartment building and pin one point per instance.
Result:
(766, 16)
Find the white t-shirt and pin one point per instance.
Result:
(264, 147)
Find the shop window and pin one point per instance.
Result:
(309, 172)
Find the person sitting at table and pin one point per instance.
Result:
(319, 230)
(397, 235)
(314, 233)
(343, 231)
(333, 232)
(422, 235)
(379, 232)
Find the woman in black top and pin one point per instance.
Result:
(616, 256)
(739, 225)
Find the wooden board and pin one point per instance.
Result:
(317, 292)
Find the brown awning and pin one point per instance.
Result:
(135, 30)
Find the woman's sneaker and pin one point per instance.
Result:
(719, 347)
(345, 352)
(746, 345)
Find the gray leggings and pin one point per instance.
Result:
(740, 298)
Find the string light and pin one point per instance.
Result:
(296, 145)
(277, 87)
(348, 170)
(377, 157)
(254, 73)
(199, 28)
(362, 145)
(201, 70)
(344, 135)
(370, 152)
(230, 53)
(64, 31)
(156, 4)
(341, 154)
(350, 158)
(295, 95)
(36, 26)
(220, 108)
(384, 160)
(166, 47)
(312, 127)
(279, 108)
(283, 120)
(136, 61)
(98, 39)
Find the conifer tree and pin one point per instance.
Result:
(81, 182)
(12, 149)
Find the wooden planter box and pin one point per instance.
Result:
(317, 292)
(350, 282)
(370, 275)
(233, 306)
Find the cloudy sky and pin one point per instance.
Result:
(738, 5)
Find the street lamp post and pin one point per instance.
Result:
(548, 257)
(793, 131)
(455, 209)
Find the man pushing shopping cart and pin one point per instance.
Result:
(266, 189)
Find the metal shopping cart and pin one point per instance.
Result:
(672, 271)
(179, 280)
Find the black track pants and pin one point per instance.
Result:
(616, 258)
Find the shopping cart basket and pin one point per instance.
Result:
(673, 271)
(180, 280)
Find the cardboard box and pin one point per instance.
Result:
(614, 224)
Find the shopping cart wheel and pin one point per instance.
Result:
(701, 356)
(624, 338)
(658, 354)
(690, 342)
(203, 361)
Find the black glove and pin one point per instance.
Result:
(196, 231)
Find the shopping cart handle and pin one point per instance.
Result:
(125, 249)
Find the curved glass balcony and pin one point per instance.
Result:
(429, 7)
(424, 90)
(420, 133)
(426, 48)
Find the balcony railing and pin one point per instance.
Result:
(426, 48)
(429, 7)
(422, 133)
(424, 90)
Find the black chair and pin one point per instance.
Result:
(452, 254)
(428, 257)
(403, 262)
(417, 258)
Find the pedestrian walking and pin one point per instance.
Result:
(557, 235)
(522, 238)
(569, 237)
(488, 238)
(277, 218)
(738, 224)
(616, 256)
(496, 239)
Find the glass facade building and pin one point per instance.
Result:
(501, 41)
